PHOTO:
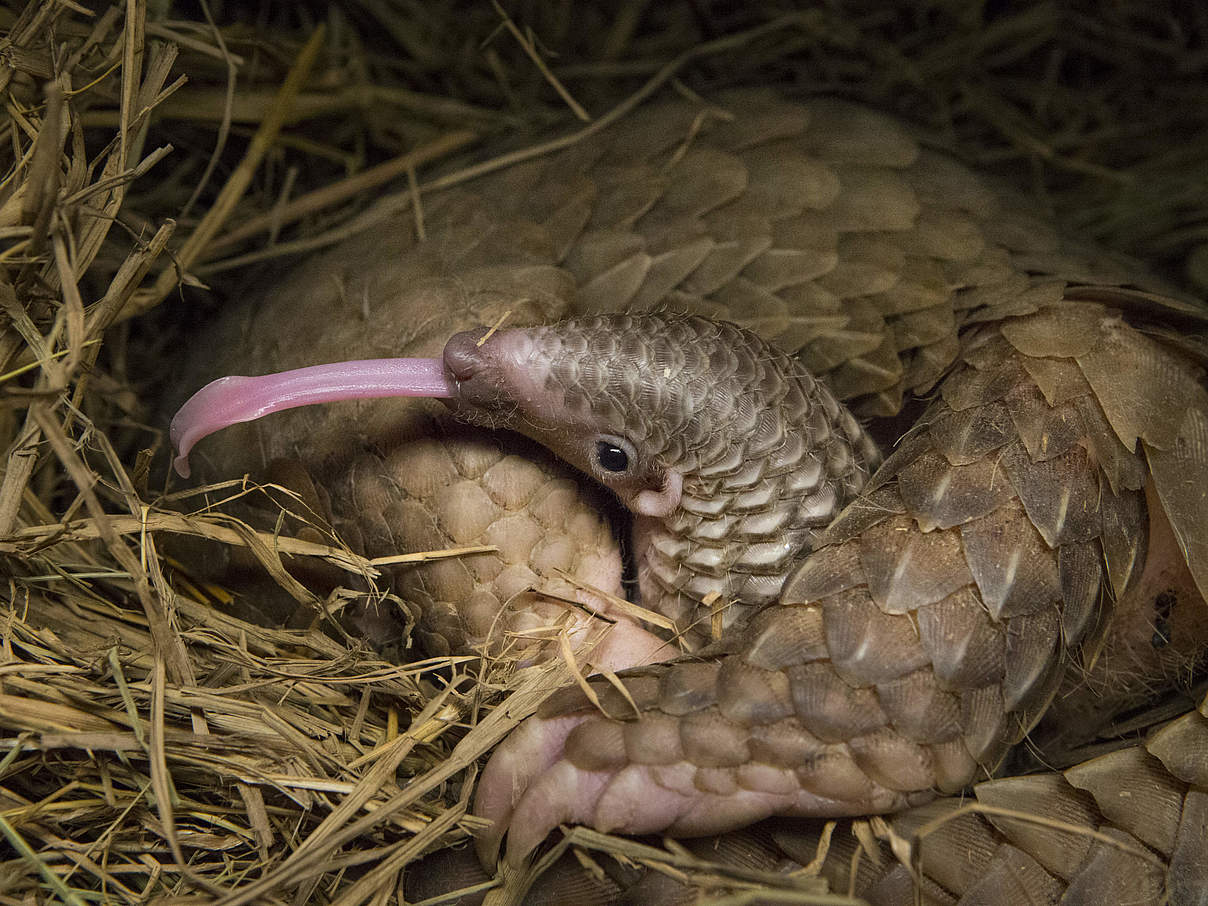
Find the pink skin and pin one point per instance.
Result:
(234, 399)
(528, 753)
(627, 645)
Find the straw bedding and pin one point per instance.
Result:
(160, 158)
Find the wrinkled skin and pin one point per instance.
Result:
(1035, 544)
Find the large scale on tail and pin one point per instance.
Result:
(1038, 534)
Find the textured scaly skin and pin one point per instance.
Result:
(736, 457)
(897, 662)
(831, 231)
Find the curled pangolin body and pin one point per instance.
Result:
(1009, 554)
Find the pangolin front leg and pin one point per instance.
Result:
(1068, 837)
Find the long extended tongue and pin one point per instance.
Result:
(229, 400)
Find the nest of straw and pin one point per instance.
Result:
(155, 747)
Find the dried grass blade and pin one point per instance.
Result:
(328, 196)
(241, 178)
(53, 881)
(167, 640)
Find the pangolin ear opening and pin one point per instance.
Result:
(662, 501)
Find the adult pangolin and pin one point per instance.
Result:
(1030, 557)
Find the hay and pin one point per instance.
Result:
(153, 746)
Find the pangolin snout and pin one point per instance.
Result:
(464, 355)
(485, 373)
(497, 376)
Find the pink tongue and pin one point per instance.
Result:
(229, 400)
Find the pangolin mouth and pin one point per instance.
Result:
(464, 355)
(492, 373)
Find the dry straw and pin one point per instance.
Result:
(153, 746)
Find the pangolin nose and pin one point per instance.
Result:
(463, 355)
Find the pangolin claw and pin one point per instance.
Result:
(530, 750)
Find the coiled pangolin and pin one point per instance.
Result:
(851, 636)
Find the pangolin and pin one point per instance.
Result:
(1033, 545)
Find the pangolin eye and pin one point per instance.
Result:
(611, 457)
